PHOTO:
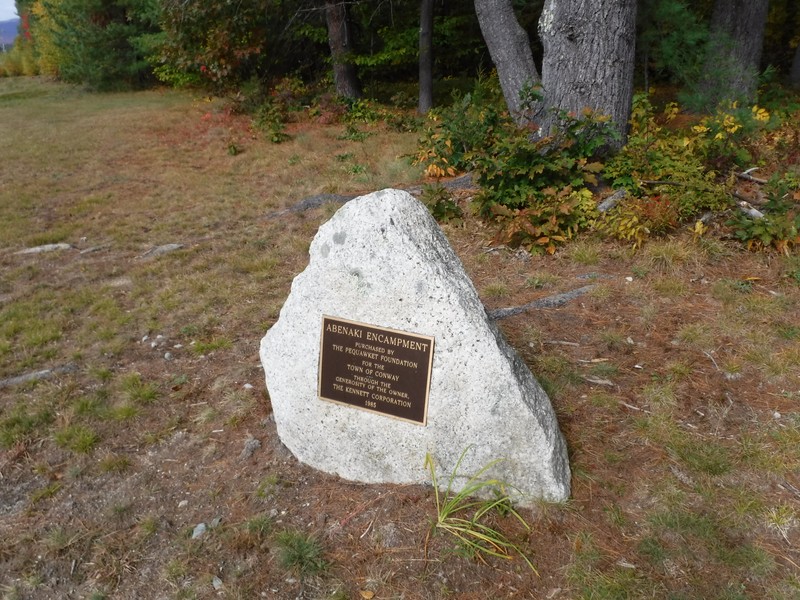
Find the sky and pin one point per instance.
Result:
(7, 10)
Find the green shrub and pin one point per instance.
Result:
(440, 202)
(471, 123)
(779, 228)
(548, 220)
(517, 171)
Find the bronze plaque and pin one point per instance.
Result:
(375, 369)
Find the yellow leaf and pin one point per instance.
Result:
(700, 228)
(366, 594)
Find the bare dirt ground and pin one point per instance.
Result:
(676, 382)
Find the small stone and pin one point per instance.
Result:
(183, 504)
(216, 582)
(776, 415)
(145, 338)
(215, 522)
(248, 386)
(251, 444)
(168, 356)
(199, 530)
(629, 279)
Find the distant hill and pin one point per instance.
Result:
(8, 31)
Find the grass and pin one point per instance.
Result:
(465, 518)
(678, 469)
(300, 552)
(78, 438)
(137, 390)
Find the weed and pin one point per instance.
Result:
(541, 280)
(781, 518)
(46, 492)
(472, 533)
(115, 463)
(267, 486)
(300, 552)
(353, 134)
(148, 526)
(258, 526)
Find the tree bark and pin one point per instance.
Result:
(734, 52)
(510, 50)
(345, 76)
(794, 74)
(589, 59)
(425, 57)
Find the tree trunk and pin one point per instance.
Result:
(344, 71)
(794, 74)
(425, 57)
(589, 59)
(510, 50)
(734, 51)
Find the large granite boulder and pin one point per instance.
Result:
(381, 263)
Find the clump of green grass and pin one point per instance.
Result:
(88, 406)
(670, 287)
(77, 438)
(697, 335)
(611, 339)
(300, 552)
(666, 257)
(147, 526)
(495, 290)
(123, 412)
(584, 252)
(23, 425)
(202, 348)
(710, 457)
(138, 390)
